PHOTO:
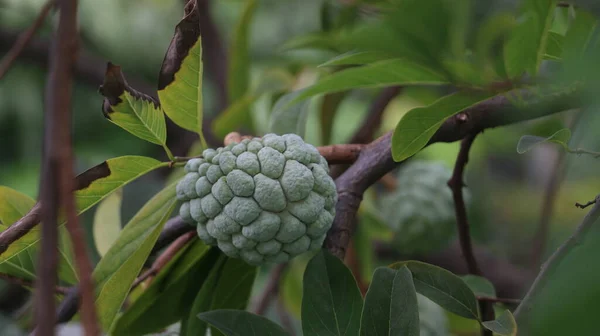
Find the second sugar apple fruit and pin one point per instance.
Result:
(420, 211)
(264, 200)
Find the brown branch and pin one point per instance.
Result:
(58, 178)
(271, 290)
(337, 154)
(28, 283)
(174, 228)
(164, 258)
(456, 184)
(334, 154)
(375, 160)
(24, 38)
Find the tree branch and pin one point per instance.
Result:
(164, 258)
(375, 160)
(24, 38)
(28, 283)
(58, 177)
(456, 184)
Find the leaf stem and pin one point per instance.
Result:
(168, 151)
(556, 259)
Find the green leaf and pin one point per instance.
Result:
(504, 325)
(525, 48)
(234, 288)
(375, 75)
(479, 285)
(135, 112)
(238, 322)
(418, 125)
(326, 41)
(356, 58)
(331, 302)
(13, 206)
(289, 119)
(174, 287)
(92, 186)
(191, 324)
(580, 46)
(442, 287)
(554, 46)
(418, 31)
(117, 270)
(528, 142)
(180, 77)
(239, 60)
(391, 306)
(107, 222)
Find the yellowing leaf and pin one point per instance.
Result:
(107, 222)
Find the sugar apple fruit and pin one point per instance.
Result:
(420, 212)
(264, 200)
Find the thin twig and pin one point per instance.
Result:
(64, 58)
(28, 283)
(334, 154)
(20, 44)
(554, 262)
(456, 184)
(498, 300)
(583, 206)
(164, 258)
(271, 290)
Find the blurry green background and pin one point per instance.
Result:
(508, 188)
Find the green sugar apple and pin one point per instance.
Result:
(264, 200)
(420, 211)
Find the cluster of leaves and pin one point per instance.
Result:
(332, 303)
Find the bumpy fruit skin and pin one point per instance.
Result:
(420, 211)
(264, 200)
